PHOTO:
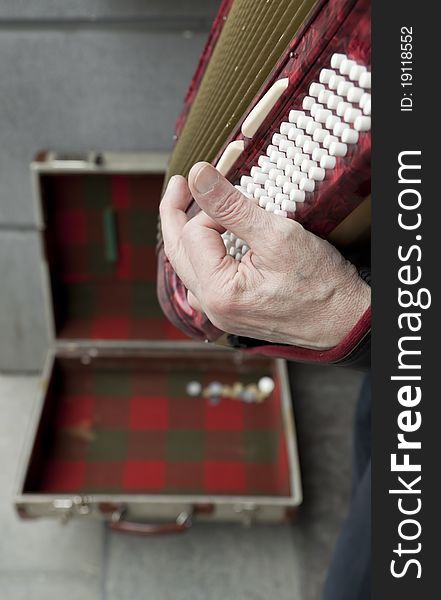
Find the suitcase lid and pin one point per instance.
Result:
(97, 213)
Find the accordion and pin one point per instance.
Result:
(281, 104)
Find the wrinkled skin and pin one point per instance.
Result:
(291, 287)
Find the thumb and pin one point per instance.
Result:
(227, 206)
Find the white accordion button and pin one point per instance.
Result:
(307, 164)
(297, 195)
(342, 108)
(270, 149)
(322, 115)
(356, 71)
(285, 144)
(292, 151)
(307, 185)
(251, 188)
(327, 162)
(293, 133)
(260, 178)
(339, 128)
(316, 173)
(349, 136)
(297, 177)
(312, 126)
(334, 81)
(273, 190)
(319, 135)
(274, 172)
(245, 180)
(266, 166)
(281, 179)
(285, 127)
(325, 76)
(294, 115)
(334, 101)
(355, 93)
(309, 146)
(364, 99)
(290, 170)
(299, 158)
(367, 107)
(277, 138)
(365, 80)
(271, 207)
(351, 114)
(282, 162)
(276, 154)
(324, 96)
(338, 149)
(337, 59)
(346, 66)
(331, 121)
(316, 107)
(302, 122)
(280, 197)
(263, 201)
(289, 206)
(329, 139)
(288, 187)
(302, 139)
(262, 109)
(315, 89)
(308, 101)
(344, 87)
(362, 123)
(318, 154)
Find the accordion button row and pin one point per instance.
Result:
(333, 113)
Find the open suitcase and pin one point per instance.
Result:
(116, 433)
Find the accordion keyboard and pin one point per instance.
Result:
(308, 145)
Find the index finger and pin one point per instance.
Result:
(174, 203)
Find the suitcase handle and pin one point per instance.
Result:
(182, 524)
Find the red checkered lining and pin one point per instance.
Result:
(95, 298)
(127, 425)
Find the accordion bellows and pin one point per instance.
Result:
(253, 39)
(257, 47)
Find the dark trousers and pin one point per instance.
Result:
(349, 575)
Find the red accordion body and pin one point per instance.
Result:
(333, 26)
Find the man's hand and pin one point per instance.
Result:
(291, 286)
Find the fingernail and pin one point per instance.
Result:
(171, 183)
(206, 179)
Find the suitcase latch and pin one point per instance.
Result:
(70, 507)
(248, 512)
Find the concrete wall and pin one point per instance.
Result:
(79, 75)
